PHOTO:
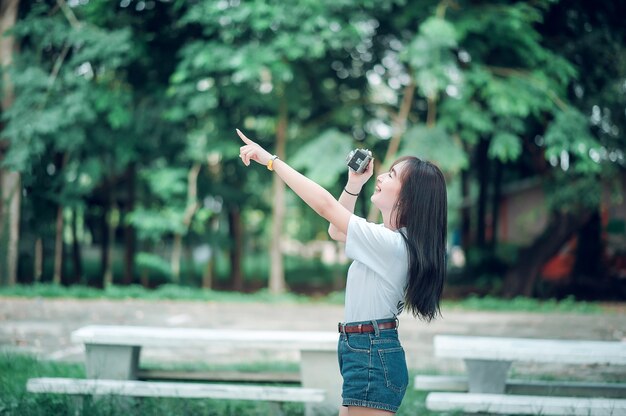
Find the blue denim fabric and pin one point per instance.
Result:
(373, 367)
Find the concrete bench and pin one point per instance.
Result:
(488, 359)
(133, 388)
(525, 405)
(524, 387)
(113, 352)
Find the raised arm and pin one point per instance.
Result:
(349, 195)
(318, 198)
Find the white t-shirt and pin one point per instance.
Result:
(377, 277)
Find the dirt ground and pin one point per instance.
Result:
(43, 327)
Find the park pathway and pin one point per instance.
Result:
(43, 326)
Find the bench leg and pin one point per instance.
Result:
(115, 362)
(320, 370)
(275, 408)
(76, 405)
(485, 376)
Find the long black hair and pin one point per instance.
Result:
(422, 208)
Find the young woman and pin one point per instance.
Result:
(399, 263)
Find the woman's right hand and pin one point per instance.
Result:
(252, 151)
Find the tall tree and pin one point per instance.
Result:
(10, 179)
(66, 92)
(254, 57)
(584, 145)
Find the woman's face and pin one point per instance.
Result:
(387, 188)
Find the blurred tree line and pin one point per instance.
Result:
(118, 118)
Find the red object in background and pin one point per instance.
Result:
(560, 266)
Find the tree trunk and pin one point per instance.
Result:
(104, 245)
(589, 249)
(111, 223)
(38, 263)
(207, 274)
(10, 182)
(399, 123)
(277, 283)
(76, 256)
(495, 205)
(520, 280)
(209, 269)
(482, 161)
(466, 217)
(394, 144)
(234, 223)
(177, 250)
(431, 116)
(58, 247)
(105, 252)
(190, 210)
(130, 241)
(57, 276)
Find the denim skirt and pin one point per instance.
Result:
(373, 367)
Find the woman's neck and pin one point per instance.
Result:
(388, 221)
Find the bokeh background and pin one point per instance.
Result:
(119, 161)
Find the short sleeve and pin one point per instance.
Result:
(373, 244)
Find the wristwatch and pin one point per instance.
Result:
(270, 163)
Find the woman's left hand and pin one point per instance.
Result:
(252, 151)
(359, 179)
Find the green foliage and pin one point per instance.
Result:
(153, 224)
(152, 264)
(455, 200)
(569, 134)
(436, 145)
(505, 147)
(254, 45)
(430, 56)
(507, 33)
(167, 183)
(564, 193)
(83, 176)
(124, 92)
(320, 158)
(509, 77)
(277, 30)
(467, 118)
(513, 97)
(58, 100)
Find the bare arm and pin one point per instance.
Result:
(315, 196)
(348, 201)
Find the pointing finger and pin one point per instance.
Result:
(243, 137)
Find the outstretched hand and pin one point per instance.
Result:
(252, 151)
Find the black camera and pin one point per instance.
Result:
(358, 159)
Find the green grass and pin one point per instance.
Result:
(522, 304)
(164, 292)
(252, 367)
(16, 369)
(178, 292)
